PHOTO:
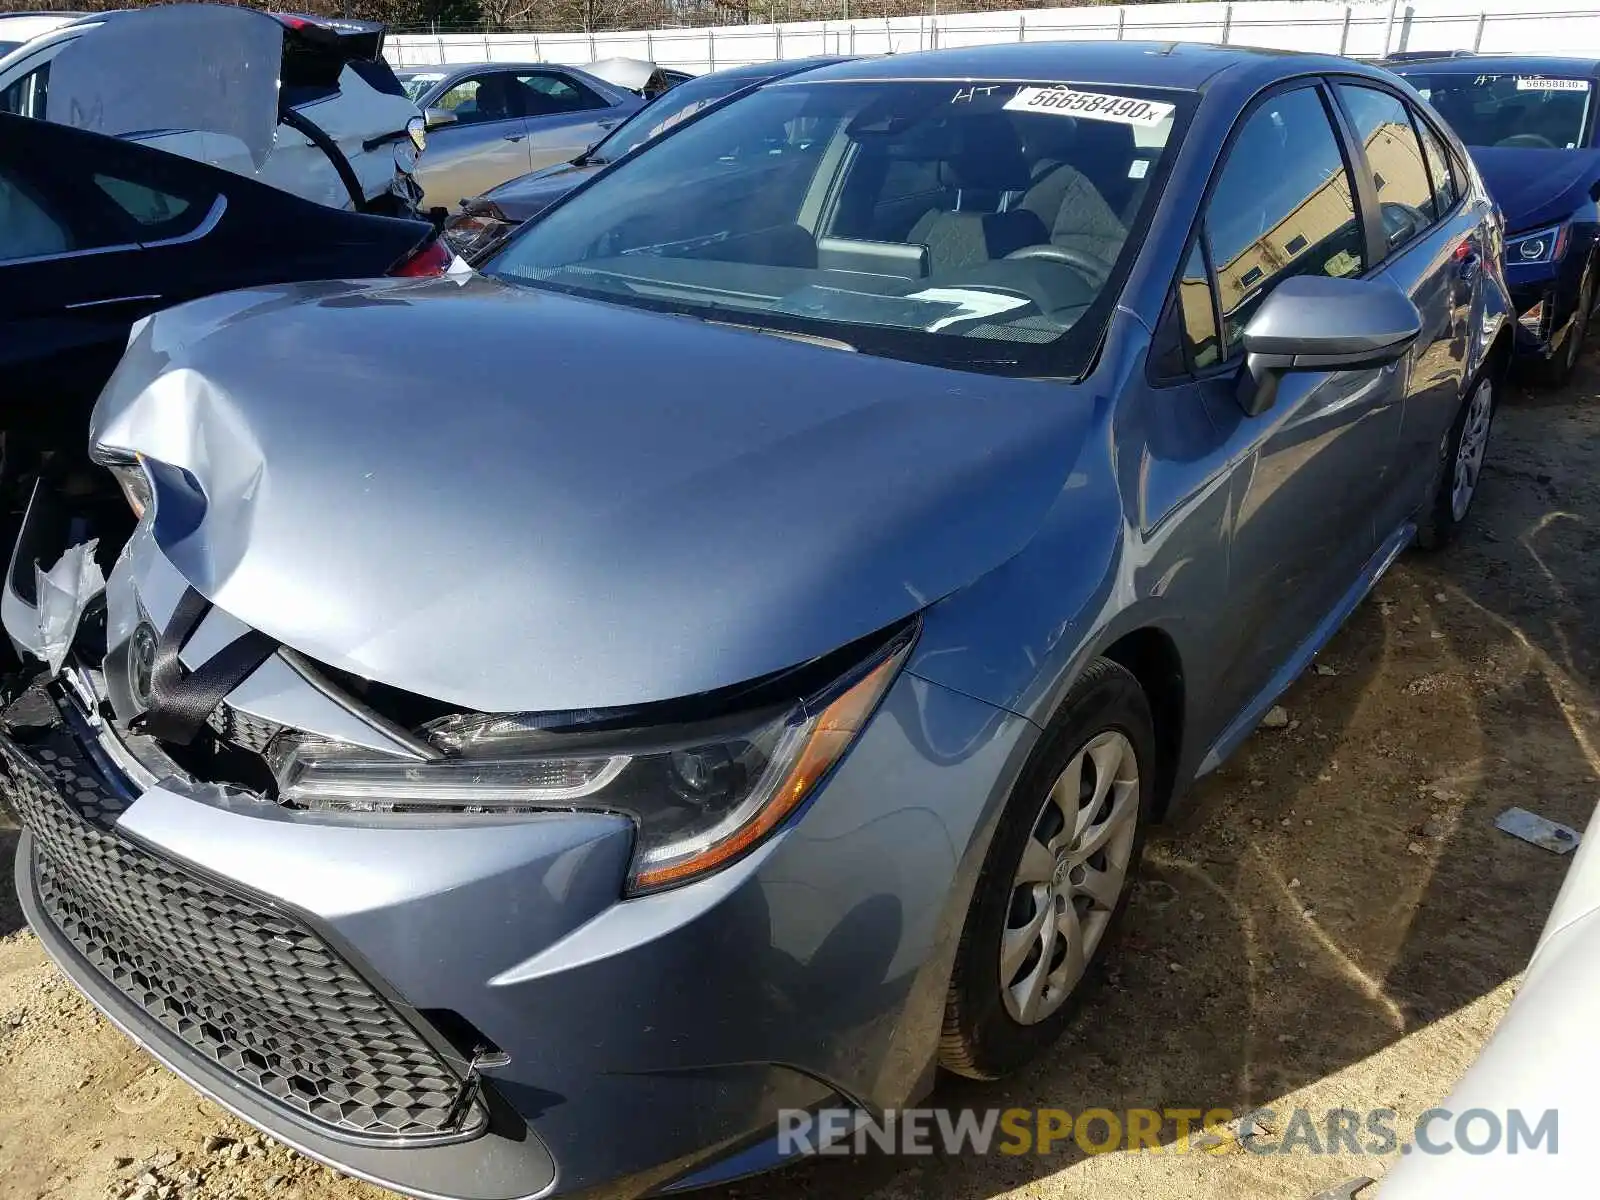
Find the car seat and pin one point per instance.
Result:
(982, 172)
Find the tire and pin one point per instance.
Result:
(1104, 727)
(1447, 509)
(1556, 372)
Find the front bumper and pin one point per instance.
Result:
(650, 1042)
(1552, 287)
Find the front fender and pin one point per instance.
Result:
(1136, 540)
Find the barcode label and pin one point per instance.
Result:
(1093, 106)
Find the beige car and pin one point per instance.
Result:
(490, 122)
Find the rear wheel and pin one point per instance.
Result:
(1055, 883)
(1465, 450)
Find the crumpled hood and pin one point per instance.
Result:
(1535, 188)
(512, 500)
(529, 195)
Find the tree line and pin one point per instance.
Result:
(554, 16)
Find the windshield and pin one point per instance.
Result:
(1537, 112)
(677, 105)
(417, 83)
(966, 223)
(7, 47)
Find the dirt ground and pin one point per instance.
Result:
(1334, 923)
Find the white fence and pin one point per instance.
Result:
(1373, 27)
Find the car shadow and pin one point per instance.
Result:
(1340, 885)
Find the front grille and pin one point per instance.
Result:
(244, 986)
(242, 729)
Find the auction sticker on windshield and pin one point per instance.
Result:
(1093, 106)
(1525, 84)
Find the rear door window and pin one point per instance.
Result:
(159, 213)
(1283, 205)
(1440, 172)
(548, 93)
(1394, 161)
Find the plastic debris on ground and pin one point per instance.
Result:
(1540, 831)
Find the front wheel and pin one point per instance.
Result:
(1457, 486)
(1056, 879)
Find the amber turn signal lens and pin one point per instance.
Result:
(827, 736)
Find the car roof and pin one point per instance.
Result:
(1499, 64)
(776, 69)
(44, 22)
(457, 68)
(1188, 65)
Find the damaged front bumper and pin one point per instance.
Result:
(1545, 299)
(459, 1004)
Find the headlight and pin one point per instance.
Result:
(132, 478)
(701, 795)
(1540, 246)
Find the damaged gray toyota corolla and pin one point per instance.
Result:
(538, 726)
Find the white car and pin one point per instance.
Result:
(16, 28)
(1518, 1123)
(304, 104)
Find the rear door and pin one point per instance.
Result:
(486, 144)
(564, 116)
(1434, 253)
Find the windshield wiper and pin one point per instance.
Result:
(811, 339)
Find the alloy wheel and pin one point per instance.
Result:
(1470, 450)
(1073, 869)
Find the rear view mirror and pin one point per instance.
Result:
(1316, 323)
(437, 117)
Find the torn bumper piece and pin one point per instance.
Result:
(41, 607)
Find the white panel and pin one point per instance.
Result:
(1495, 26)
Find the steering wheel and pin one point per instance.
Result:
(1527, 141)
(1087, 265)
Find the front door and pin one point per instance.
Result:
(1433, 254)
(486, 145)
(1309, 473)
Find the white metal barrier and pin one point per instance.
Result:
(1366, 27)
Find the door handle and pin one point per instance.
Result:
(515, 137)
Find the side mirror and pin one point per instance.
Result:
(437, 118)
(1317, 323)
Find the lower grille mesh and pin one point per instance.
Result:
(248, 988)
